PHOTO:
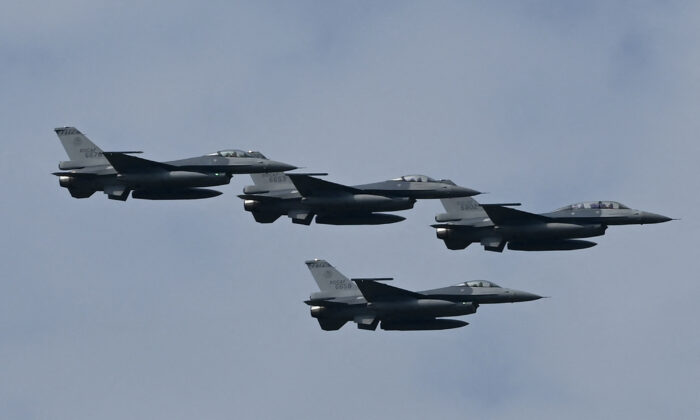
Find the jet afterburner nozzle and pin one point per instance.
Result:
(251, 205)
(442, 233)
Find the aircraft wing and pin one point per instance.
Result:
(124, 163)
(500, 215)
(374, 291)
(261, 198)
(310, 186)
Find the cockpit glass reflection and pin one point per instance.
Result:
(478, 283)
(595, 205)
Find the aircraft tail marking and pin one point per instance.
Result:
(460, 205)
(272, 181)
(330, 280)
(79, 148)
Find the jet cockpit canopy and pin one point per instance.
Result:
(478, 283)
(422, 178)
(595, 205)
(238, 153)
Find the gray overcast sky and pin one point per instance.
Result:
(191, 310)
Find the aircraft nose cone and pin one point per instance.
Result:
(647, 218)
(274, 166)
(463, 192)
(525, 296)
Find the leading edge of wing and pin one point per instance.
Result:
(374, 291)
(124, 163)
(309, 186)
(501, 215)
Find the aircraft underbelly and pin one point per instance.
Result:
(550, 231)
(358, 203)
(421, 308)
(173, 180)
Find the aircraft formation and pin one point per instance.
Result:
(303, 198)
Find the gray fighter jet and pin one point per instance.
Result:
(301, 197)
(118, 173)
(368, 302)
(495, 225)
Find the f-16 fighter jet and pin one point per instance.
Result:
(118, 173)
(368, 302)
(495, 225)
(301, 197)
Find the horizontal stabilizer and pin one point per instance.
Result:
(500, 215)
(254, 189)
(447, 217)
(124, 163)
(464, 225)
(261, 198)
(310, 186)
(374, 291)
(461, 225)
(76, 174)
(324, 302)
(373, 279)
(441, 225)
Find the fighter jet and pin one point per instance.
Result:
(368, 302)
(301, 197)
(495, 225)
(118, 173)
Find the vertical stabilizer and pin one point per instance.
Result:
(463, 208)
(461, 204)
(272, 181)
(80, 150)
(331, 281)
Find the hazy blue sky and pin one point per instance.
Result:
(181, 310)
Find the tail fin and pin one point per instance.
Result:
(79, 148)
(330, 280)
(460, 205)
(272, 181)
(461, 208)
